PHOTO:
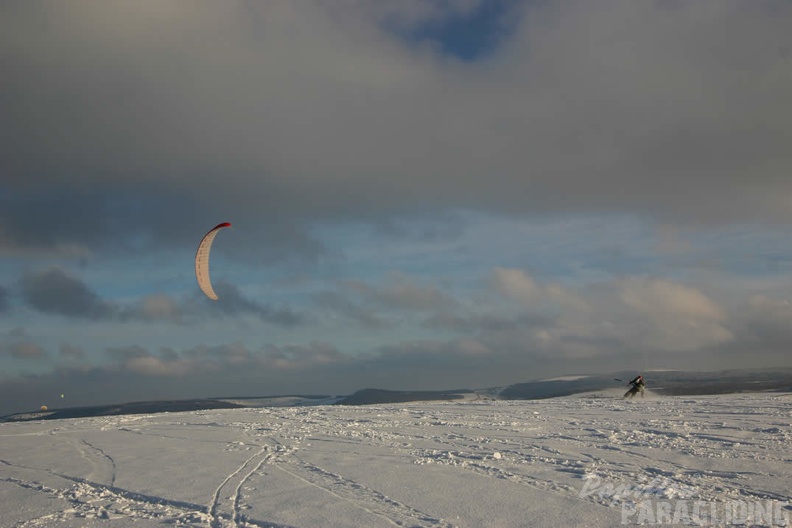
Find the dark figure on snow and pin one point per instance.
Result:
(637, 386)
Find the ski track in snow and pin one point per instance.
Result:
(263, 456)
(103, 472)
(372, 501)
(702, 448)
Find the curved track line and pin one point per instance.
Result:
(390, 510)
(112, 476)
(238, 491)
(214, 503)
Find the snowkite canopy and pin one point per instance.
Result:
(202, 260)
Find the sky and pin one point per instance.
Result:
(423, 194)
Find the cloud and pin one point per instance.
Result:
(234, 367)
(17, 344)
(3, 299)
(413, 14)
(195, 308)
(220, 359)
(316, 354)
(638, 321)
(382, 306)
(154, 366)
(159, 307)
(23, 350)
(401, 293)
(232, 302)
(767, 320)
(659, 298)
(71, 352)
(140, 361)
(17, 332)
(360, 137)
(671, 316)
(54, 292)
(297, 115)
(338, 303)
(517, 285)
(487, 323)
(618, 316)
(126, 353)
(668, 241)
(429, 228)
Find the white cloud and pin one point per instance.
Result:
(154, 366)
(24, 350)
(661, 298)
(472, 347)
(633, 313)
(159, 307)
(402, 292)
(515, 284)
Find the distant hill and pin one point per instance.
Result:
(292, 400)
(555, 388)
(380, 396)
(664, 382)
(723, 382)
(123, 408)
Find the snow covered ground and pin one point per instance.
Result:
(576, 461)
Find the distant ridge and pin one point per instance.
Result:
(123, 408)
(661, 382)
(375, 396)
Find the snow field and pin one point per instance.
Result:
(576, 461)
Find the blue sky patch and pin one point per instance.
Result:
(469, 36)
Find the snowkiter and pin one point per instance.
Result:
(638, 385)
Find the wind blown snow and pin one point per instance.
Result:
(575, 461)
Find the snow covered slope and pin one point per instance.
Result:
(575, 461)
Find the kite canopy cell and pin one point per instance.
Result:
(202, 261)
